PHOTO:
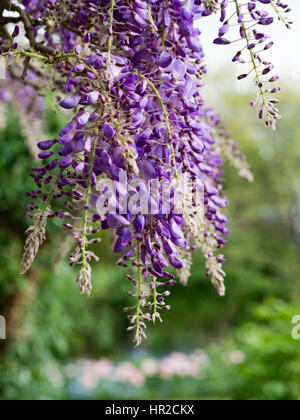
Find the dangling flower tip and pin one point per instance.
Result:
(23, 269)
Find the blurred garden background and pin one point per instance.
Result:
(61, 345)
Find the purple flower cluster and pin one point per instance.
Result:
(131, 74)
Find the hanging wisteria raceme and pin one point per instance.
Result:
(141, 155)
(28, 106)
(254, 41)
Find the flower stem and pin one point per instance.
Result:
(110, 40)
(278, 13)
(46, 206)
(139, 293)
(154, 278)
(238, 8)
(87, 202)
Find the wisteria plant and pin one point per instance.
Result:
(141, 155)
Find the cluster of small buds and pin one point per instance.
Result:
(185, 273)
(282, 10)
(215, 271)
(36, 236)
(81, 256)
(227, 147)
(211, 6)
(130, 73)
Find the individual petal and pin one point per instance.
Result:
(179, 69)
(147, 170)
(65, 162)
(46, 145)
(165, 60)
(194, 44)
(92, 97)
(175, 262)
(109, 132)
(84, 118)
(139, 223)
(126, 236)
(117, 220)
(70, 102)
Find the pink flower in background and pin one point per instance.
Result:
(235, 357)
(91, 373)
(126, 372)
(150, 367)
(183, 365)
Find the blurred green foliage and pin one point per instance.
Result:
(51, 324)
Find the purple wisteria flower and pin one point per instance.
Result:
(141, 155)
